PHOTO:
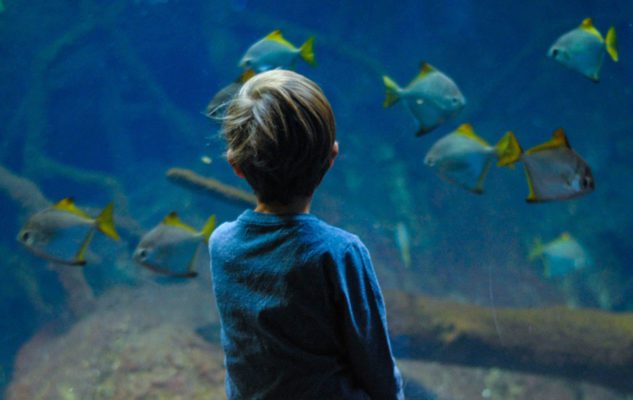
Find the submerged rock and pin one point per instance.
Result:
(162, 342)
(139, 343)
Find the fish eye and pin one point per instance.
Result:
(555, 53)
(142, 254)
(25, 236)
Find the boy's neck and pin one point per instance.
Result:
(300, 206)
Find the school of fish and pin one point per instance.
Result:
(553, 170)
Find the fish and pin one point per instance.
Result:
(432, 97)
(582, 49)
(554, 171)
(165, 244)
(404, 243)
(56, 222)
(274, 51)
(221, 100)
(464, 158)
(561, 256)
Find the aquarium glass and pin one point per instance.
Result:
(504, 259)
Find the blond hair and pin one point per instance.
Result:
(280, 131)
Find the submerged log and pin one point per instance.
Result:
(22, 191)
(192, 181)
(583, 344)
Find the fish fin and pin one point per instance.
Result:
(275, 35)
(468, 131)
(392, 91)
(559, 139)
(536, 250)
(508, 150)
(81, 253)
(424, 130)
(68, 204)
(479, 187)
(612, 44)
(172, 219)
(191, 268)
(531, 198)
(587, 23)
(565, 236)
(425, 69)
(307, 51)
(587, 26)
(208, 228)
(278, 37)
(246, 75)
(105, 222)
(547, 270)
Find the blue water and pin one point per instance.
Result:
(126, 99)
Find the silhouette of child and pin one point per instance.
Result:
(301, 311)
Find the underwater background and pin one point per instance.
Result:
(100, 99)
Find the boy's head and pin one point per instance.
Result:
(281, 135)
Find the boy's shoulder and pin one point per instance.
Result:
(339, 235)
(312, 229)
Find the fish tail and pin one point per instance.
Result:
(307, 51)
(392, 91)
(612, 44)
(208, 228)
(105, 222)
(536, 250)
(508, 150)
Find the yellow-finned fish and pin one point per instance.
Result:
(561, 256)
(432, 97)
(274, 51)
(464, 158)
(164, 247)
(50, 224)
(221, 100)
(555, 171)
(583, 48)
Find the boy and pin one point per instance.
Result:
(301, 311)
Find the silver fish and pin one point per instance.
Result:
(583, 49)
(170, 241)
(274, 51)
(561, 256)
(60, 222)
(432, 97)
(555, 171)
(464, 158)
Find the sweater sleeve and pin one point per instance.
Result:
(364, 325)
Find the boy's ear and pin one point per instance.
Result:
(334, 153)
(236, 168)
